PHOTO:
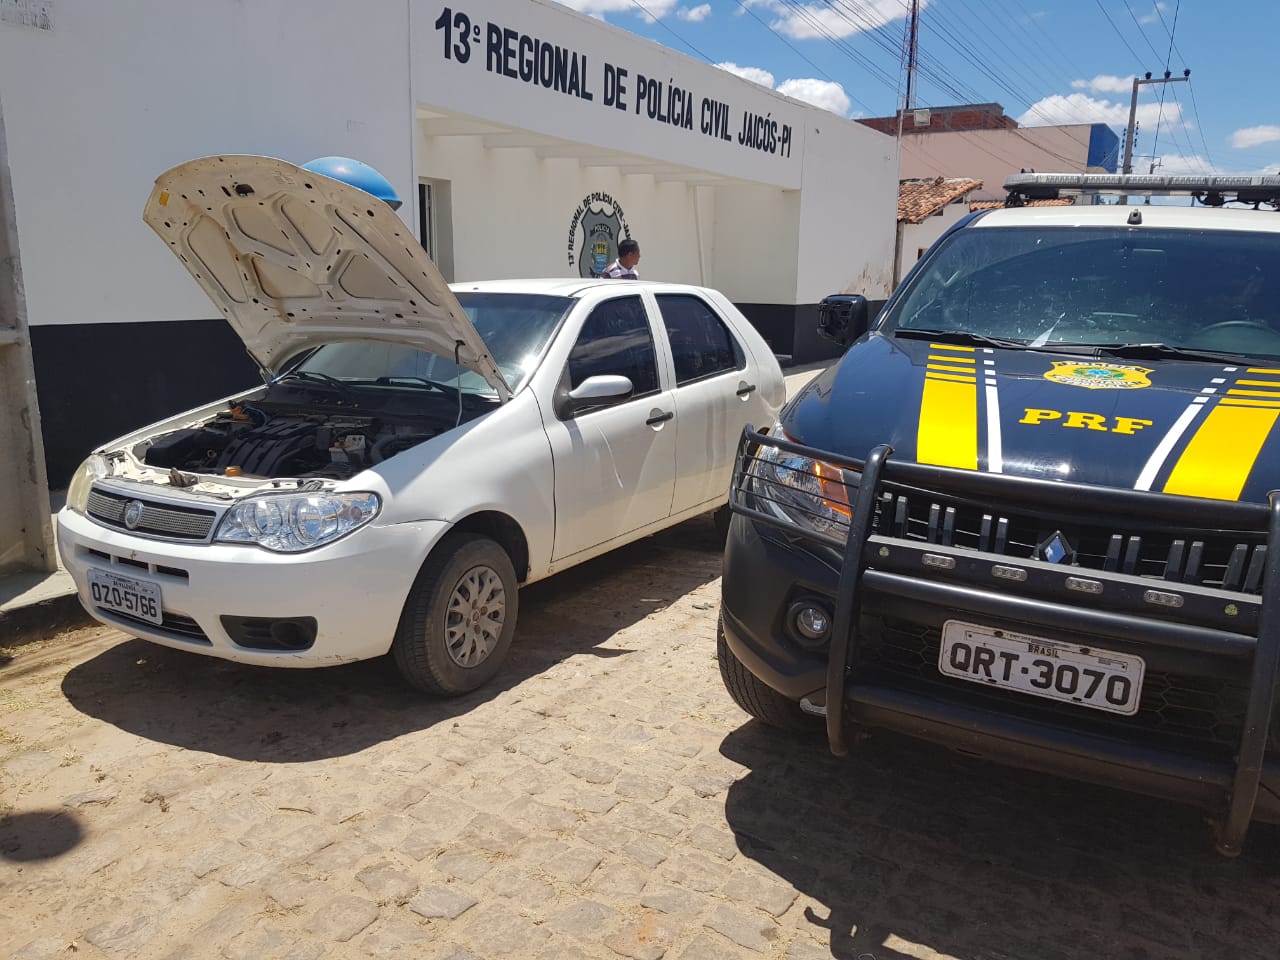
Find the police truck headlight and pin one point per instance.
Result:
(293, 522)
(807, 492)
(94, 468)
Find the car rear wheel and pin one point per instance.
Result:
(460, 616)
(755, 696)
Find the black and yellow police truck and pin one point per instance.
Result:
(1032, 512)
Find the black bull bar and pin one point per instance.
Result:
(1249, 634)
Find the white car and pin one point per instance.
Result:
(417, 452)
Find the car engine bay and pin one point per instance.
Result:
(313, 429)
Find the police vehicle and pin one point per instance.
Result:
(1029, 513)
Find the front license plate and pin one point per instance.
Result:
(127, 595)
(1068, 672)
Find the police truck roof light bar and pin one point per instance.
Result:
(1212, 190)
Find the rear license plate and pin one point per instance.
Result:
(1068, 672)
(127, 595)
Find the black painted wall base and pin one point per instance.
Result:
(97, 381)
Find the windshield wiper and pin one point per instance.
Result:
(310, 376)
(956, 336)
(1158, 351)
(410, 381)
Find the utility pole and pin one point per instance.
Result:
(1133, 111)
(911, 56)
(908, 102)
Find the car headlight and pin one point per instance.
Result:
(94, 468)
(293, 522)
(805, 491)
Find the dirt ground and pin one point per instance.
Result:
(603, 799)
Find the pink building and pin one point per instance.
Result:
(979, 142)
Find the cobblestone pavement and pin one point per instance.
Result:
(605, 799)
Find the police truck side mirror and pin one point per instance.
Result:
(843, 317)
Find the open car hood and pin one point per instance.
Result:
(294, 260)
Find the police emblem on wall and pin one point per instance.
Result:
(597, 226)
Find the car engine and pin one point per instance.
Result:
(304, 431)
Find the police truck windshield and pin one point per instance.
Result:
(1209, 290)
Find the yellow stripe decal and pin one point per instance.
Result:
(1258, 370)
(1217, 461)
(948, 431)
(1250, 403)
(952, 346)
(968, 370)
(1253, 393)
(972, 360)
(1258, 383)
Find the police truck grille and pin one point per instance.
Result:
(1230, 561)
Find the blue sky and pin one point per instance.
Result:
(1045, 61)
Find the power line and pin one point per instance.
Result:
(869, 29)
(1163, 86)
(1141, 32)
(1136, 58)
(1199, 127)
(659, 22)
(796, 51)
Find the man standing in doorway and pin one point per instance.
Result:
(624, 268)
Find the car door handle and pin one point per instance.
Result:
(746, 388)
(658, 418)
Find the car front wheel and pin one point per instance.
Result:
(755, 696)
(460, 617)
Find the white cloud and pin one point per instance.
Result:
(1104, 84)
(1154, 15)
(838, 19)
(820, 93)
(656, 9)
(694, 14)
(1254, 136)
(754, 74)
(1080, 108)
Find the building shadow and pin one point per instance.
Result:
(291, 716)
(908, 848)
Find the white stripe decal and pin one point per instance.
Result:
(995, 449)
(1161, 452)
(995, 445)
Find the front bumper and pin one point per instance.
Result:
(353, 589)
(1202, 731)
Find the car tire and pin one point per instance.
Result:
(756, 697)
(721, 518)
(459, 618)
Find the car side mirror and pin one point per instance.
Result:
(594, 391)
(843, 317)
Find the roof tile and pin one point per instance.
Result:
(918, 199)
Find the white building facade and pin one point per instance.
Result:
(525, 140)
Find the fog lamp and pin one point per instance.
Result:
(810, 622)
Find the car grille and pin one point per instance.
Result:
(1231, 561)
(1179, 709)
(179, 626)
(159, 520)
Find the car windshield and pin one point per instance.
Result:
(1193, 290)
(516, 327)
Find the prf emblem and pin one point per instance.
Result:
(1099, 376)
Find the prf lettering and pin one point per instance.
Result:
(1084, 421)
